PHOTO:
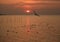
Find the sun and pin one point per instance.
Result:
(27, 11)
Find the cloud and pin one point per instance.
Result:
(31, 1)
(9, 1)
(18, 6)
(41, 1)
(42, 8)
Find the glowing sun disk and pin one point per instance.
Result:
(28, 11)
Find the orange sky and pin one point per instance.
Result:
(15, 6)
(9, 1)
(26, 1)
(12, 1)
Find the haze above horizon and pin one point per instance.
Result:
(28, 1)
(19, 6)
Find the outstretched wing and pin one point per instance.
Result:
(35, 13)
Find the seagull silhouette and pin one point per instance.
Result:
(35, 13)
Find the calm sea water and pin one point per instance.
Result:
(28, 28)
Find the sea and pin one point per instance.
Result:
(29, 28)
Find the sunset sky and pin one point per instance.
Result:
(27, 1)
(18, 6)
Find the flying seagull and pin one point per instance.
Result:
(35, 13)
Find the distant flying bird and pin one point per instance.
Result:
(35, 13)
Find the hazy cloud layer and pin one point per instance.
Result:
(19, 6)
(16, 1)
(40, 9)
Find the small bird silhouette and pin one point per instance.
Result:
(35, 13)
